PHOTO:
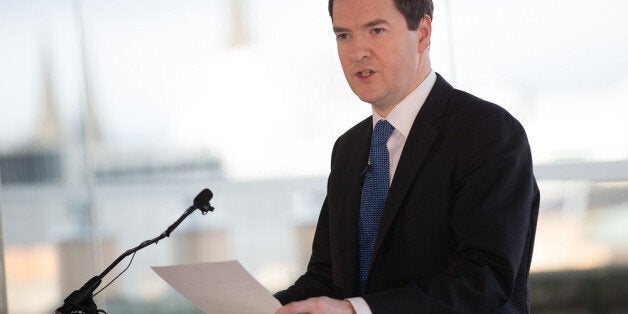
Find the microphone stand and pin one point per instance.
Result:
(81, 301)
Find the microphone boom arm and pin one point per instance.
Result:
(83, 297)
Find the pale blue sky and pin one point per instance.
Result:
(164, 77)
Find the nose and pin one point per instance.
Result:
(359, 49)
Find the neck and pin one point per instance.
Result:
(424, 70)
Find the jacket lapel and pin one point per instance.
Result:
(355, 165)
(418, 144)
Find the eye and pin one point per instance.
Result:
(342, 36)
(378, 31)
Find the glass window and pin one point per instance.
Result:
(116, 113)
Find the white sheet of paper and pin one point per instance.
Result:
(219, 288)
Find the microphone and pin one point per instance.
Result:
(366, 168)
(81, 301)
(201, 201)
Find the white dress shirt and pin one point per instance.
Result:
(401, 118)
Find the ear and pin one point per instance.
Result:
(424, 32)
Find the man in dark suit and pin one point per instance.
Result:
(431, 203)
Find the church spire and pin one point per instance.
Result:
(48, 127)
(239, 33)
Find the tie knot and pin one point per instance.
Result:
(381, 132)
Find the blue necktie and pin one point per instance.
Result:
(374, 192)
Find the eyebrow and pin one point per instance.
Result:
(338, 29)
(375, 23)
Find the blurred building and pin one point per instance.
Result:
(73, 199)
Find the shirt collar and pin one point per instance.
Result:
(404, 113)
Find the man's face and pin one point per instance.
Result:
(379, 55)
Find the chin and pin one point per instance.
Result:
(365, 96)
(371, 100)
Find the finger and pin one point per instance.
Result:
(294, 308)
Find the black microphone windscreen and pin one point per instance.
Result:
(203, 198)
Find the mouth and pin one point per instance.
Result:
(364, 74)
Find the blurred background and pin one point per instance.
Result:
(114, 114)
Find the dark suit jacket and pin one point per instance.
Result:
(458, 226)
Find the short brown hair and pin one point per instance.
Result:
(412, 10)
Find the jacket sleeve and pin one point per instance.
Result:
(317, 281)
